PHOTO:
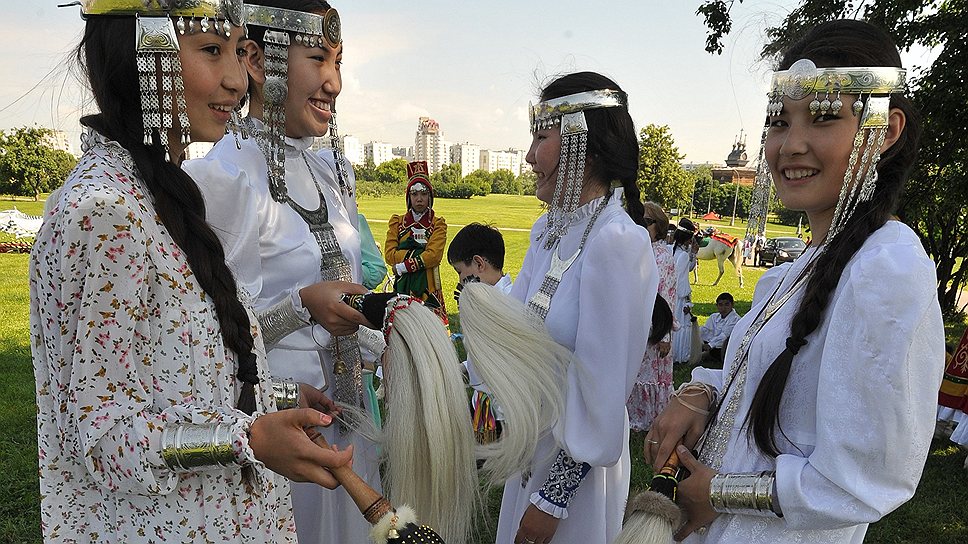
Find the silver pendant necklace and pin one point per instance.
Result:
(716, 440)
(540, 302)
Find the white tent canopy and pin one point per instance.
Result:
(20, 224)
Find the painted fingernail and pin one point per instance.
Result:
(325, 419)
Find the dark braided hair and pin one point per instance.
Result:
(613, 149)
(107, 56)
(837, 43)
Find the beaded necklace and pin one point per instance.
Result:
(540, 302)
(333, 265)
(716, 439)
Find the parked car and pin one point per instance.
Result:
(780, 250)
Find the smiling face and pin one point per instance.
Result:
(808, 156)
(544, 157)
(314, 83)
(215, 80)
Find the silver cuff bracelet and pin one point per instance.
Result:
(286, 393)
(279, 321)
(186, 446)
(744, 493)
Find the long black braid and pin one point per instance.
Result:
(111, 69)
(836, 43)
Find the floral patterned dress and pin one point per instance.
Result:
(124, 343)
(653, 385)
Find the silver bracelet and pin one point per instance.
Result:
(280, 320)
(186, 447)
(286, 393)
(744, 493)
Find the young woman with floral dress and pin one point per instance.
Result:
(156, 415)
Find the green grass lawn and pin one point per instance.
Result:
(512, 215)
(936, 514)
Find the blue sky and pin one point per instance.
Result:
(472, 66)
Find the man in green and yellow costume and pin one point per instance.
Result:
(415, 243)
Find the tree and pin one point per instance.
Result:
(661, 177)
(504, 183)
(786, 216)
(29, 165)
(528, 181)
(392, 172)
(701, 182)
(935, 203)
(479, 181)
(448, 174)
(366, 171)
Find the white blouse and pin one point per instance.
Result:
(685, 263)
(268, 245)
(273, 254)
(602, 310)
(859, 405)
(125, 342)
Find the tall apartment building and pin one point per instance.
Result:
(352, 149)
(523, 165)
(320, 143)
(429, 144)
(378, 152)
(468, 156)
(493, 161)
(445, 147)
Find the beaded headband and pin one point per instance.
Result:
(309, 30)
(548, 113)
(569, 113)
(160, 80)
(229, 10)
(802, 79)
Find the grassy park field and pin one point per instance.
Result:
(936, 514)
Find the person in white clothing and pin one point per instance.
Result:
(684, 255)
(821, 419)
(590, 275)
(477, 254)
(717, 328)
(288, 221)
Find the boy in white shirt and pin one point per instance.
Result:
(717, 328)
(477, 254)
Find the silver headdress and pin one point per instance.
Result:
(569, 112)
(873, 87)
(762, 194)
(159, 68)
(284, 27)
